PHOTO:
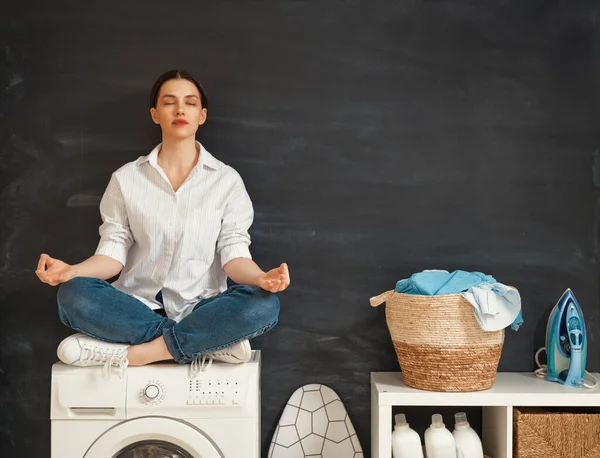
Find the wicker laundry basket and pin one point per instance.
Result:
(439, 344)
(539, 433)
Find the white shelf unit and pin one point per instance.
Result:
(511, 389)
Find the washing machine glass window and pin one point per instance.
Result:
(152, 449)
(139, 437)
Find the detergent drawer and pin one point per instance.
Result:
(87, 394)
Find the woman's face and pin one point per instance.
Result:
(178, 109)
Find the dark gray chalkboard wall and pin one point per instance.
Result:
(376, 138)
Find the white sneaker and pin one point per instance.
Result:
(81, 350)
(238, 353)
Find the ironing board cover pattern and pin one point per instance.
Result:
(315, 424)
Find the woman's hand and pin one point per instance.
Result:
(54, 271)
(275, 280)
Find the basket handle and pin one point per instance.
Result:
(383, 297)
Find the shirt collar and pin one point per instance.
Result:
(206, 159)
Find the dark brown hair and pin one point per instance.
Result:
(176, 75)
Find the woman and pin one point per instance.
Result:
(175, 225)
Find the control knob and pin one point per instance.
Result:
(152, 393)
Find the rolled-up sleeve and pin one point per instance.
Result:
(115, 234)
(234, 239)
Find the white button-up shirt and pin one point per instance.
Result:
(174, 242)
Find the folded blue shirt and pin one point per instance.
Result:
(436, 282)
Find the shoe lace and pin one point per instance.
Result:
(110, 358)
(227, 351)
(201, 364)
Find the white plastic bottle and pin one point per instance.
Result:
(406, 442)
(468, 443)
(439, 442)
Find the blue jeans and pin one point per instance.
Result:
(98, 309)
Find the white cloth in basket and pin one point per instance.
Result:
(495, 306)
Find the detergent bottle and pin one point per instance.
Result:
(439, 442)
(468, 444)
(406, 442)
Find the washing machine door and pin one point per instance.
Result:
(153, 437)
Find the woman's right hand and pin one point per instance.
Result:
(54, 271)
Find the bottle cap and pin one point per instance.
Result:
(460, 419)
(437, 421)
(400, 419)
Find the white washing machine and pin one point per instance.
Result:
(156, 411)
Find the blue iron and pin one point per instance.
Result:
(566, 342)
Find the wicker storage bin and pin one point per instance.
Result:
(439, 344)
(539, 433)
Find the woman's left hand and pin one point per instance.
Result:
(275, 280)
